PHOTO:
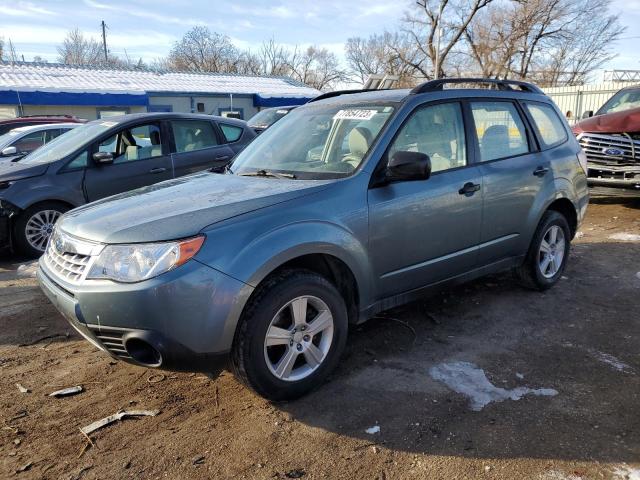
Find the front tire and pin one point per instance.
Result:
(547, 257)
(291, 335)
(34, 226)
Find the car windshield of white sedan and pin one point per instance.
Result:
(314, 142)
(68, 143)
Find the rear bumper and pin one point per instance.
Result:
(183, 320)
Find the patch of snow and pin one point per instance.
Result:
(624, 472)
(557, 475)
(625, 237)
(579, 234)
(373, 430)
(520, 376)
(471, 381)
(28, 269)
(612, 361)
(638, 275)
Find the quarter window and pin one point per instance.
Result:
(232, 133)
(550, 128)
(191, 135)
(79, 162)
(137, 143)
(500, 130)
(438, 131)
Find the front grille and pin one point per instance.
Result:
(70, 258)
(70, 266)
(611, 150)
(111, 339)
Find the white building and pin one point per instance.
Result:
(38, 89)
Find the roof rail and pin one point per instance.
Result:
(337, 93)
(435, 85)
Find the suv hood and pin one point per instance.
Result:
(10, 171)
(179, 208)
(626, 121)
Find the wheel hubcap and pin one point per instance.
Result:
(551, 254)
(299, 338)
(39, 228)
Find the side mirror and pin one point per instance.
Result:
(6, 152)
(587, 114)
(405, 166)
(103, 158)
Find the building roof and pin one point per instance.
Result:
(54, 78)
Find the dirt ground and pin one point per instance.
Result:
(417, 373)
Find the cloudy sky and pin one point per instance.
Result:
(147, 28)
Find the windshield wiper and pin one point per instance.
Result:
(267, 173)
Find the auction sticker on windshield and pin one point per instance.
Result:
(353, 114)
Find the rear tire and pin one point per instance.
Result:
(291, 335)
(33, 227)
(547, 256)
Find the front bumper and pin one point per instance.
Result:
(187, 315)
(611, 176)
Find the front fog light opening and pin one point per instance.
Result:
(143, 352)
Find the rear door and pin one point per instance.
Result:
(140, 157)
(196, 146)
(515, 177)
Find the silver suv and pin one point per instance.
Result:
(349, 205)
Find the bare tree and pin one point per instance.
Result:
(1, 49)
(317, 67)
(547, 41)
(201, 50)
(76, 49)
(388, 53)
(275, 59)
(436, 27)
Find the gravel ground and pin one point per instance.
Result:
(485, 381)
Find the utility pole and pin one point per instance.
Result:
(436, 73)
(104, 41)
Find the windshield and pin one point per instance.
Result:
(623, 100)
(315, 142)
(67, 143)
(267, 117)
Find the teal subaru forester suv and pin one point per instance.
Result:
(352, 204)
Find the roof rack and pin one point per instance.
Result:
(436, 85)
(337, 93)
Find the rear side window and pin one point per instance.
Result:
(191, 135)
(232, 133)
(500, 129)
(547, 123)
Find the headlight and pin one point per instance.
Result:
(141, 261)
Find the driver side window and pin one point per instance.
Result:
(435, 130)
(137, 143)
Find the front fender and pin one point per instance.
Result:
(261, 255)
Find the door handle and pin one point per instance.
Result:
(222, 157)
(469, 189)
(158, 170)
(540, 171)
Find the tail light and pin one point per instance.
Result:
(582, 158)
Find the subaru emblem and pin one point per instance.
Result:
(613, 152)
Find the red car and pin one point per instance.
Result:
(11, 123)
(611, 141)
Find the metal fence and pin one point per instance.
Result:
(574, 101)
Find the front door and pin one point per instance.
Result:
(422, 232)
(140, 158)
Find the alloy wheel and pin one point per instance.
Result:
(39, 228)
(552, 251)
(299, 338)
